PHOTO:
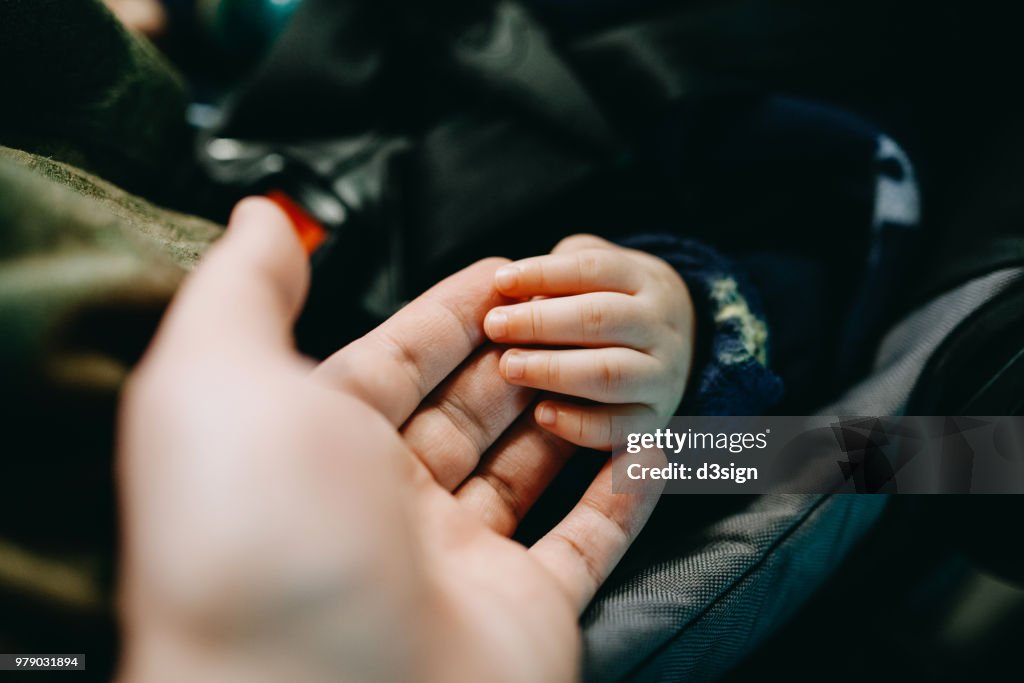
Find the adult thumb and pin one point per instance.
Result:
(249, 287)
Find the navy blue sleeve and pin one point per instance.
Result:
(730, 374)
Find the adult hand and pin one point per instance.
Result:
(347, 521)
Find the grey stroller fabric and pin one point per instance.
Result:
(692, 617)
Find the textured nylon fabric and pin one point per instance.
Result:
(693, 616)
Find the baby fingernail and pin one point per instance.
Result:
(497, 324)
(506, 277)
(515, 366)
(547, 415)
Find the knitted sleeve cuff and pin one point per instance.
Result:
(730, 374)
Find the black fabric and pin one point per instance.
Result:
(977, 370)
(496, 159)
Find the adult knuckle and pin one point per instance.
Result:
(507, 493)
(612, 522)
(586, 558)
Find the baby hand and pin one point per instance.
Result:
(628, 314)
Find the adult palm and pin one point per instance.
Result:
(348, 520)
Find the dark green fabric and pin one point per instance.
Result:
(71, 242)
(86, 270)
(80, 88)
